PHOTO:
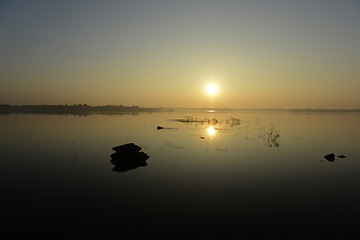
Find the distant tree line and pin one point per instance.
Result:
(302, 110)
(324, 110)
(81, 109)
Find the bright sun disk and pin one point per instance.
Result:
(211, 89)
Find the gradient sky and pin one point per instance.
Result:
(260, 54)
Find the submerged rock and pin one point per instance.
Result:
(330, 157)
(128, 156)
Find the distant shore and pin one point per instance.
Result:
(79, 109)
(84, 109)
(309, 110)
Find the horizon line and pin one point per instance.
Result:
(193, 108)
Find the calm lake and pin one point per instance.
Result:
(209, 174)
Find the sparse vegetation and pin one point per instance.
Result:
(233, 121)
(270, 135)
(213, 121)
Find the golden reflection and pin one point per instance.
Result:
(211, 131)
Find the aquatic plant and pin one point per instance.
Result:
(233, 121)
(270, 135)
(213, 121)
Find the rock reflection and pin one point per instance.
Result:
(128, 157)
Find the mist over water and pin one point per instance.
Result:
(208, 173)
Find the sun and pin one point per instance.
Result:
(211, 89)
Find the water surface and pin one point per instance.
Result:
(204, 177)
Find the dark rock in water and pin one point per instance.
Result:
(330, 157)
(129, 147)
(341, 156)
(128, 157)
(158, 128)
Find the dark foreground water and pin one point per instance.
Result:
(245, 173)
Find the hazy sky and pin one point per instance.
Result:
(268, 53)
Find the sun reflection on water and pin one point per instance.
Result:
(211, 131)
